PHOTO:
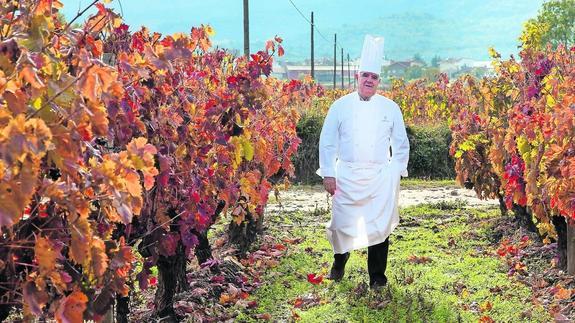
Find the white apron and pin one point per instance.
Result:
(354, 148)
(364, 211)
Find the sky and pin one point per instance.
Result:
(447, 28)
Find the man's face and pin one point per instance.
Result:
(368, 83)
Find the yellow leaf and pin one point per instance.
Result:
(209, 31)
(248, 149)
(181, 151)
(37, 104)
(551, 101)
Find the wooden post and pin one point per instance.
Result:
(334, 58)
(246, 29)
(342, 77)
(570, 246)
(312, 53)
(354, 80)
(348, 72)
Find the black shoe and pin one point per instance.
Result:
(378, 284)
(338, 268)
(335, 274)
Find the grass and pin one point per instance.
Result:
(452, 275)
(406, 183)
(416, 183)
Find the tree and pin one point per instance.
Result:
(413, 72)
(419, 59)
(430, 73)
(554, 24)
(435, 61)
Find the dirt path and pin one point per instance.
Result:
(309, 199)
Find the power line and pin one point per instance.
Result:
(335, 47)
(302, 15)
(309, 22)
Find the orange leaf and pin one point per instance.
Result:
(227, 298)
(46, 255)
(298, 302)
(486, 319)
(71, 310)
(89, 85)
(28, 73)
(81, 237)
(563, 293)
(133, 184)
(99, 257)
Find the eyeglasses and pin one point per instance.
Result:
(373, 76)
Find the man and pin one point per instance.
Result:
(359, 171)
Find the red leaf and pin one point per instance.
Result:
(280, 246)
(298, 302)
(218, 279)
(314, 279)
(196, 197)
(525, 238)
(153, 281)
(101, 8)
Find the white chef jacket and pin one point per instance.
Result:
(354, 148)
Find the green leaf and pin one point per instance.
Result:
(248, 149)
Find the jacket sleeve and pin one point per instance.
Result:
(399, 145)
(328, 143)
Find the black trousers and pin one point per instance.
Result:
(376, 262)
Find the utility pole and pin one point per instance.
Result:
(312, 53)
(355, 78)
(348, 72)
(334, 58)
(246, 29)
(342, 78)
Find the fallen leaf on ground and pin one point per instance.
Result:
(295, 316)
(306, 301)
(292, 241)
(487, 306)
(486, 319)
(562, 293)
(314, 279)
(418, 260)
(265, 316)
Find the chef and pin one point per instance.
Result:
(359, 171)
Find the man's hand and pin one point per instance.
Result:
(329, 184)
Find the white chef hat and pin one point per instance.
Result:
(371, 55)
